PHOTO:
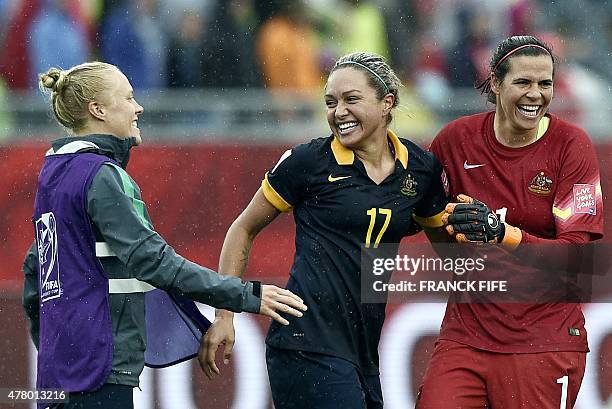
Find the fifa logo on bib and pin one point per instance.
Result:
(46, 242)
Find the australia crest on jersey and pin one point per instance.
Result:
(46, 243)
(541, 184)
(409, 186)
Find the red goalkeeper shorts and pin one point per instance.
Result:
(462, 377)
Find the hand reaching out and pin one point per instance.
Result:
(274, 300)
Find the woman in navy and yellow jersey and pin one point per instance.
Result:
(360, 186)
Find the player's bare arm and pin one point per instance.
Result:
(233, 261)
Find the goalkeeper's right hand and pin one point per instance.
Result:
(471, 221)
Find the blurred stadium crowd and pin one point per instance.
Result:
(435, 46)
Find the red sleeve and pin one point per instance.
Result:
(573, 237)
(578, 205)
(577, 208)
(436, 149)
(560, 254)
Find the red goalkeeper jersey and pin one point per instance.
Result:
(547, 188)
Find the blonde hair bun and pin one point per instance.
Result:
(54, 79)
(71, 90)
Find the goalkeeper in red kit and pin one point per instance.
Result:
(521, 175)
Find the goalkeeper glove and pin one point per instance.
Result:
(472, 221)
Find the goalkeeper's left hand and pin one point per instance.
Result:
(471, 220)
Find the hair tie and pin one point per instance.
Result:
(62, 81)
(373, 73)
(505, 57)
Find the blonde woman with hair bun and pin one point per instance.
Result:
(83, 100)
(96, 257)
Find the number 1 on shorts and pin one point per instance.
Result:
(564, 380)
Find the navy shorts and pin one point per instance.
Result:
(309, 380)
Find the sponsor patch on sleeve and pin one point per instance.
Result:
(585, 199)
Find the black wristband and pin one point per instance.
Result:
(256, 288)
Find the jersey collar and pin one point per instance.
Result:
(115, 148)
(345, 156)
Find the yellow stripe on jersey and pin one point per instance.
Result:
(343, 155)
(562, 213)
(431, 221)
(401, 152)
(273, 197)
(542, 127)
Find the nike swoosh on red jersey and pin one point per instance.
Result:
(467, 166)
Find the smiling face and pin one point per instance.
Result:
(121, 109)
(354, 112)
(524, 94)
